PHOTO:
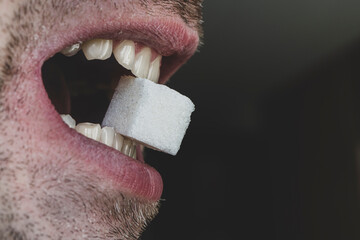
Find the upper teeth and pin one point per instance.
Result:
(124, 53)
(142, 63)
(139, 63)
(97, 49)
(71, 50)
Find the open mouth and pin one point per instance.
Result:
(80, 70)
(82, 89)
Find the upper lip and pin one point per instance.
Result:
(170, 37)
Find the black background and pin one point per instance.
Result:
(273, 148)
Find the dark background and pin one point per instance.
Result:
(273, 150)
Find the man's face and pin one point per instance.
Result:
(54, 182)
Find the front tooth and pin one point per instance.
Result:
(71, 50)
(125, 54)
(97, 49)
(118, 142)
(89, 130)
(154, 70)
(142, 63)
(68, 120)
(127, 145)
(107, 136)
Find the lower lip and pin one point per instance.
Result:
(125, 174)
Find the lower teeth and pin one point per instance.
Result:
(105, 135)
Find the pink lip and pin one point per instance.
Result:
(169, 36)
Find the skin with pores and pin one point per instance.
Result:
(48, 190)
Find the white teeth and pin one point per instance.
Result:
(118, 142)
(139, 64)
(142, 63)
(97, 49)
(154, 70)
(89, 130)
(126, 148)
(125, 53)
(107, 136)
(71, 50)
(132, 151)
(68, 120)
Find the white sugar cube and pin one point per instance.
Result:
(150, 113)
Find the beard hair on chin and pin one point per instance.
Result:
(127, 217)
(98, 214)
(12, 234)
(123, 219)
(77, 207)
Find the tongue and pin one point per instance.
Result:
(149, 113)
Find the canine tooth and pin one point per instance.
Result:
(71, 50)
(107, 136)
(127, 145)
(68, 120)
(89, 130)
(125, 54)
(97, 49)
(154, 70)
(118, 142)
(142, 63)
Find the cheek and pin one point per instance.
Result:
(49, 195)
(31, 141)
(27, 116)
(7, 9)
